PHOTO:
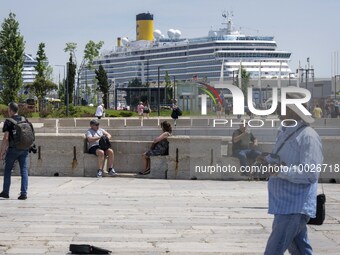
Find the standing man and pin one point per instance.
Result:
(10, 153)
(100, 111)
(292, 192)
(317, 112)
(244, 144)
(94, 133)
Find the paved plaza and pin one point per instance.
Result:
(144, 216)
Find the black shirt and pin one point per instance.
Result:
(9, 126)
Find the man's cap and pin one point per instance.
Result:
(94, 122)
(294, 108)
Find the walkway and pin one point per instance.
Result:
(143, 216)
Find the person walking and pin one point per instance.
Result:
(140, 108)
(146, 109)
(100, 111)
(176, 112)
(292, 192)
(10, 151)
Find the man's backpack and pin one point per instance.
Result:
(23, 134)
(104, 143)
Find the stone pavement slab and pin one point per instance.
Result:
(146, 216)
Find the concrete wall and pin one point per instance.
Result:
(188, 157)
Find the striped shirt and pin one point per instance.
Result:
(292, 190)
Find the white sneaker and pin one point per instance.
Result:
(112, 172)
(99, 174)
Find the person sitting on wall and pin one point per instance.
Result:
(93, 135)
(160, 146)
(244, 144)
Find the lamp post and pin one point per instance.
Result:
(159, 92)
(289, 75)
(174, 94)
(335, 76)
(267, 92)
(64, 75)
(66, 94)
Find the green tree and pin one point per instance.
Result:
(41, 85)
(91, 52)
(70, 79)
(135, 83)
(103, 84)
(245, 81)
(12, 48)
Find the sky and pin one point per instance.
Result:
(306, 28)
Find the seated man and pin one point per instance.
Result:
(244, 145)
(93, 136)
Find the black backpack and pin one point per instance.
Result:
(104, 143)
(23, 134)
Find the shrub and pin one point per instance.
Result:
(125, 114)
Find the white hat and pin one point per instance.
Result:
(294, 108)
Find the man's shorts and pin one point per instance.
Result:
(93, 149)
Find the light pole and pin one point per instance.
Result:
(64, 76)
(174, 94)
(267, 92)
(289, 78)
(234, 71)
(335, 76)
(159, 92)
(66, 94)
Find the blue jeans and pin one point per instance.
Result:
(243, 155)
(11, 156)
(289, 232)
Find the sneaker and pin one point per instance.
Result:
(112, 172)
(22, 197)
(3, 195)
(99, 173)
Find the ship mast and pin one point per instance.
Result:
(228, 21)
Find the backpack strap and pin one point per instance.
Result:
(16, 122)
(12, 121)
(283, 143)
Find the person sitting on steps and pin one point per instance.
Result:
(93, 136)
(160, 146)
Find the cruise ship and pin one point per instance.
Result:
(219, 54)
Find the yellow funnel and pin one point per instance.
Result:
(144, 26)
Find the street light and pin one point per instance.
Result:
(174, 92)
(267, 91)
(66, 94)
(335, 76)
(159, 93)
(64, 75)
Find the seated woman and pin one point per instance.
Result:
(160, 146)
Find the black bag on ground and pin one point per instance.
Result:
(320, 211)
(104, 143)
(87, 249)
